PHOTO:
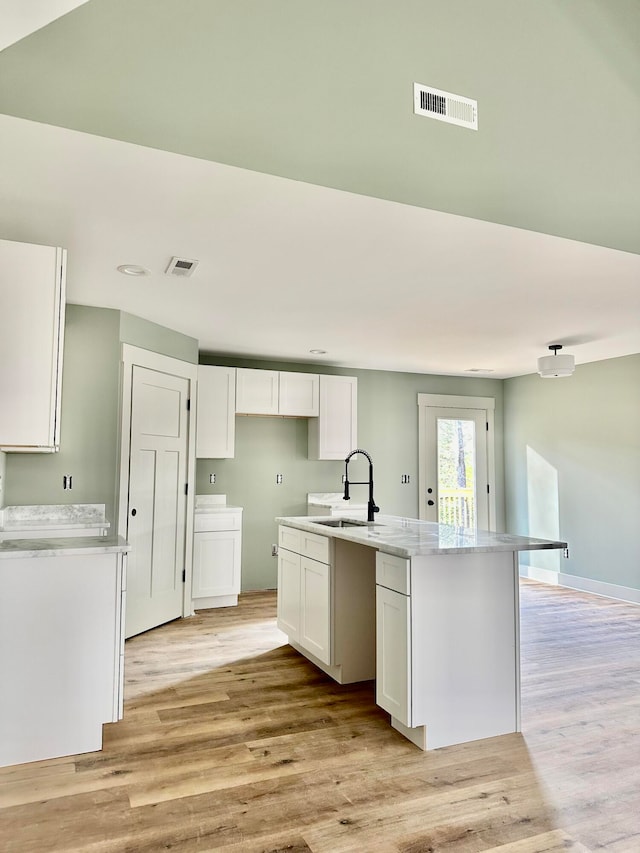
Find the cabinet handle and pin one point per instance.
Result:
(134, 512)
(430, 503)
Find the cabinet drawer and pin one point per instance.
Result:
(289, 538)
(205, 521)
(314, 546)
(393, 572)
(307, 544)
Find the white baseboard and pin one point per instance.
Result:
(608, 590)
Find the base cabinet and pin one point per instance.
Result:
(315, 621)
(393, 670)
(326, 602)
(61, 653)
(304, 591)
(288, 616)
(217, 557)
(446, 646)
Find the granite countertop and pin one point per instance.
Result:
(62, 546)
(410, 537)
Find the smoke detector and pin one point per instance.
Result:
(181, 266)
(445, 106)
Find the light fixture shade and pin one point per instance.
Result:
(552, 366)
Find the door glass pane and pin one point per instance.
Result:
(456, 472)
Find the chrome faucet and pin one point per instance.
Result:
(371, 506)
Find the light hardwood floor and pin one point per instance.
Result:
(232, 742)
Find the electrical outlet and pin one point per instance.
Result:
(274, 550)
(278, 479)
(405, 478)
(67, 481)
(212, 478)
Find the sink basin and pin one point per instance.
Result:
(341, 522)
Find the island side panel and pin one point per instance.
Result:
(353, 607)
(465, 646)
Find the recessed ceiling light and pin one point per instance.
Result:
(132, 269)
(318, 351)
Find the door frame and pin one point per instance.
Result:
(131, 357)
(455, 401)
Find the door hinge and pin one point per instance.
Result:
(487, 425)
(188, 404)
(184, 575)
(487, 488)
(186, 488)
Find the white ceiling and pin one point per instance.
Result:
(286, 267)
(21, 17)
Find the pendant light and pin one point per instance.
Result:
(553, 366)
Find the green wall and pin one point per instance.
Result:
(90, 423)
(572, 463)
(142, 333)
(387, 428)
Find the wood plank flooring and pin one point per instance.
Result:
(232, 742)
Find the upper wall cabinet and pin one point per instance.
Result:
(334, 433)
(272, 392)
(32, 279)
(216, 415)
(299, 394)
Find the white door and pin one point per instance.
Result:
(456, 454)
(157, 498)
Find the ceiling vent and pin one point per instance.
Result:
(444, 106)
(181, 266)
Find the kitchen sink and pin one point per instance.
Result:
(341, 522)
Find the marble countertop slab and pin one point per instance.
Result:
(48, 516)
(63, 546)
(214, 503)
(333, 499)
(410, 537)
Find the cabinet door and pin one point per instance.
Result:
(216, 416)
(333, 434)
(393, 654)
(216, 563)
(256, 391)
(299, 394)
(315, 605)
(31, 334)
(289, 593)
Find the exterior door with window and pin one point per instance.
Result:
(456, 461)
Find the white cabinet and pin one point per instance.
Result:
(315, 608)
(446, 638)
(299, 394)
(217, 549)
(31, 343)
(326, 602)
(393, 674)
(273, 392)
(256, 391)
(289, 594)
(334, 433)
(304, 591)
(61, 652)
(216, 414)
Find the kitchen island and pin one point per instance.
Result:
(428, 610)
(61, 644)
